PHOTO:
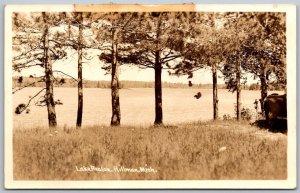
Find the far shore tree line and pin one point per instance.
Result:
(232, 43)
(128, 84)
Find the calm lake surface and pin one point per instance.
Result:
(137, 106)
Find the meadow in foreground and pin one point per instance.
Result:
(203, 150)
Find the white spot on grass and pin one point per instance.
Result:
(221, 149)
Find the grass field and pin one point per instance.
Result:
(201, 150)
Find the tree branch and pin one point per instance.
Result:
(28, 85)
(21, 66)
(58, 71)
(170, 58)
(145, 65)
(31, 100)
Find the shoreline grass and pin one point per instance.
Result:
(193, 151)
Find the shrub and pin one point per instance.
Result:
(246, 114)
(226, 117)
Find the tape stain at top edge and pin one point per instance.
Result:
(133, 7)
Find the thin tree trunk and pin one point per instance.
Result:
(158, 87)
(116, 113)
(80, 89)
(238, 92)
(48, 75)
(263, 84)
(238, 102)
(158, 90)
(263, 91)
(215, 91)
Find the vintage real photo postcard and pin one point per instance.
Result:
(150, 96)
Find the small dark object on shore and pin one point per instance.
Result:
(20, 108)
(198, 95)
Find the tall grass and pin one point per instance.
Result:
(207, 151)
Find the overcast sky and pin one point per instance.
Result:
(92, 71)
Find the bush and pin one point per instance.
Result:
(227, 117)
(246, 114)
(254, 86)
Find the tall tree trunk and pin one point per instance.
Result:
(215, 91)
(238, 91)
(48, 75)
(158, 90)
(158, 87)
(80, 89)
(263, 91)
(116, 113)
(263, 84)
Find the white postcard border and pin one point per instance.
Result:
(290, 183)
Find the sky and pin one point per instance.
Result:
(92, 71)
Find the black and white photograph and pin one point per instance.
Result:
(142, 95)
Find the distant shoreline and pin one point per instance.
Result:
(69, 83)
(126, 84)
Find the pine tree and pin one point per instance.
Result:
(34, 46)
(114, 31)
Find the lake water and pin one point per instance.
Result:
(137, 106)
